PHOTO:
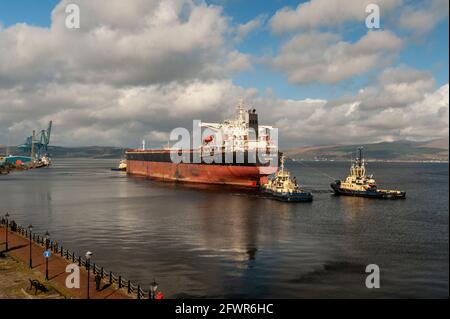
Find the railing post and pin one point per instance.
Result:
(129, 287)
(93, 270)
(73, 257)
(62, 251)
(110, 278)
(139, 292)
(79, 261)
(120, 281)
(101, 272)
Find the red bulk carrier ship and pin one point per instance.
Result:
(238, 152)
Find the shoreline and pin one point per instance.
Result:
(15, 279)
(16, 263)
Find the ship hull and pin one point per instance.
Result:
(379, 194)
(158, 166)
(300, 197)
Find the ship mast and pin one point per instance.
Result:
(32, 146)
(358, 168)
(360, 157)
(240, 112)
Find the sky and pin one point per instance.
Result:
(138, 69)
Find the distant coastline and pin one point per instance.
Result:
(377, 161)
(398, 151)
(435, 151)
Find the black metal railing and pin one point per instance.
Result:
(55, 247)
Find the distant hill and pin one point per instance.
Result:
(76, 152)
(436, 150)
(440, 143)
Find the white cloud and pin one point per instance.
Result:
(140, 42)
(310, 57)
(399, 87)
(326, 13)
(102, 114)
(86, 114)
(238, 61)
(422, 18)
(403, 104)
(140, 69)
(244, 29)
(427, 118)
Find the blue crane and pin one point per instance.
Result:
(37, 144)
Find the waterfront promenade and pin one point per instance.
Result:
(19, 251)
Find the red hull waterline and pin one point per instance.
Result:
(246, 176)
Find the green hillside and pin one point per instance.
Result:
(436, 150)
(400, 151)
(76, 152)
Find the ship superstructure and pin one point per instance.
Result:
(240, 134)
(358, 184)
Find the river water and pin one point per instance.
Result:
(215, 242)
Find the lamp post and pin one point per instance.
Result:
(47, 239)
(30, 228)
(7, 223)
(88, 265)
(153, 288)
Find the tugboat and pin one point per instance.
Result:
(358, 184)
(44, 161)
(285, 189)
(122, 166)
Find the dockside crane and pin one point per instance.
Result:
(37, 144)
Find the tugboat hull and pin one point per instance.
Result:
(380, 194)
(290, 197)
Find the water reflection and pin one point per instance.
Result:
(206, 241)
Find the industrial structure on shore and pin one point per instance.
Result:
(36, 145)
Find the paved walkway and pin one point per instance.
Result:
(19, 249)
(14, 281)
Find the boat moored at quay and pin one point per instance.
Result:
(238, 152)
